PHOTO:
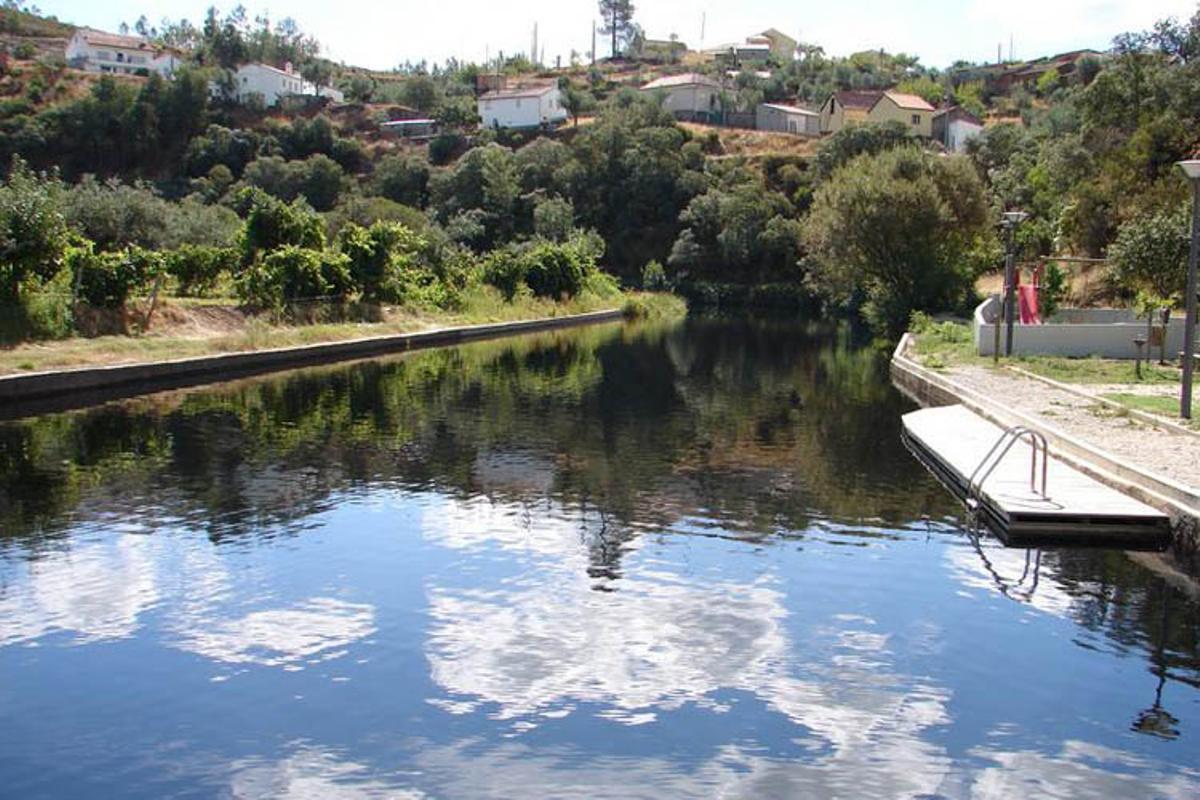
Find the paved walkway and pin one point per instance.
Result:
(1170, 454)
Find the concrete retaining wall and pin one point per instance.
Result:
(1074, 333)
(75, 387)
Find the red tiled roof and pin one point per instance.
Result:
(909, 102)
(858, 99)
(958, 112)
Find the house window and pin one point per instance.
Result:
(916, 119)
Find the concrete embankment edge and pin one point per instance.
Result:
(1180, 502)
(130, 379)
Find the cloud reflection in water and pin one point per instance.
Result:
(544, 643)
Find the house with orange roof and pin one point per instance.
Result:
(912, 111)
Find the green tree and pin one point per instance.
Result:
(855, 140)
(33, 230)
(576, 101)
(897, 230)
(1150, 254)
(618, 21)
(553, 218)
(404, 179)
(360, 88)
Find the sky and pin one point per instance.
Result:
(381, 36)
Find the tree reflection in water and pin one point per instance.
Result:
(714, 520)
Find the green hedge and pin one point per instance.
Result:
(106, 280)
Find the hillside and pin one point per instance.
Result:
(308, 197)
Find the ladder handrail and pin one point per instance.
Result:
(1007, 439)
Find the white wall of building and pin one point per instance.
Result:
(689, 98)
(959, 132)
(769, 117)
(522, 110)
(267, 82)
(110, 58)
(1105, 333)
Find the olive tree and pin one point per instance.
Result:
(1151, 252)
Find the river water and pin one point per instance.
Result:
(687, 559)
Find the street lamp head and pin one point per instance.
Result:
(1013, 218)
(1191, 169)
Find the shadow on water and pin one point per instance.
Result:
(610, 477)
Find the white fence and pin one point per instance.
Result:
(1075, 333)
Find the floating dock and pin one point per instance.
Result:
(953, 441)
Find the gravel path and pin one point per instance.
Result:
(1174, 455)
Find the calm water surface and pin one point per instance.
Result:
(684, 560)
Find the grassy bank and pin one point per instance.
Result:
(942, 345)
(480, 305)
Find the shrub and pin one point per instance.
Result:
(553, 218)
(349, 154)
(293, 274)
(378, 257)
(443, 147)
(272, 223)
(33, 230)
(107, 279)
(1054, 290)
(197, 267)
(366, 211)
(553, 270)
(549, 269)
(504, 270)
(654, 277)
(403, 179)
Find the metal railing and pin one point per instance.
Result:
(999, 450)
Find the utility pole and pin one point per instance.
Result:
(533, 51)
(593, 43)
(1192, 170)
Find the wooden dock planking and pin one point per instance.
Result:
(952, 440)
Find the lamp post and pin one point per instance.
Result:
(1192, 170)
(1011, 219)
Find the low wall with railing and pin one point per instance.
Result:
(1074, 333)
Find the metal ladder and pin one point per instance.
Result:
(999, 450)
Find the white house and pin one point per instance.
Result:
(272, 84)
(787, 119)
(690, 96)
(98, 51)
(522, 107)
(954, 127)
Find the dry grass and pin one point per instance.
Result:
(1087, 285)
(186, 330)
(747, 143)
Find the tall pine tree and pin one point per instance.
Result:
(618, 20)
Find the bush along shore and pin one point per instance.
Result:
(281, 281)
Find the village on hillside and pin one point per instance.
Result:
(729, 86)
